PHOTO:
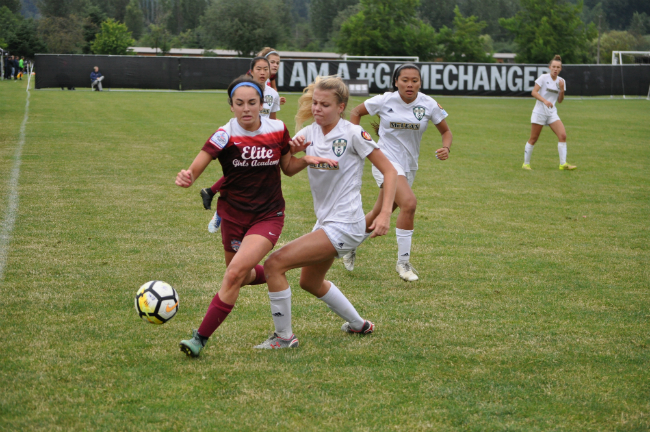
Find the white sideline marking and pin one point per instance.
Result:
(12, 204)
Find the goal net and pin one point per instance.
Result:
(638, 57)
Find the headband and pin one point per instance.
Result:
(246, 83)
(271, 52)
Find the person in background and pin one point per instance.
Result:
(96, 79)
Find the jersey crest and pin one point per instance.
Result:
(419, 112)
(220, 138)
(339, 146)
(268, 99)
(366, 136)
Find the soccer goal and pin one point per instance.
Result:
(639, 57)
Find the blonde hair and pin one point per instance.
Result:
(265, 51)
(556, 58)
(329, 83)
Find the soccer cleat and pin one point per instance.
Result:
(276, 342)
(368, 327)
(348, 260)
(192, 347)
(406, 271)
(527, 167)
(215, 223)
(207, 196)
(567, 167)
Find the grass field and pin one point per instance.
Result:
(532, 312)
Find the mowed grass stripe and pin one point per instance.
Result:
(529, 316)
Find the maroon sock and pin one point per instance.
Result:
(259, 276)
(215, 187)
(216, 314)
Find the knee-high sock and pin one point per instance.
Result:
(528, 153)
(215, 187)
(216, 314)
(341, 306)
(561, 149)
(403, 244)
(259, 276)
(281, 312)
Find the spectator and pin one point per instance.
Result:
(96, 79)
(16, 68)
(21, 66)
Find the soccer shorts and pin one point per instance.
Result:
(236, 225)
(543, 119)
(379, 177)
(345, 237)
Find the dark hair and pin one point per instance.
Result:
(251, 82)
(400, 69)
(257, 59)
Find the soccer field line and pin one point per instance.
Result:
(9, 219)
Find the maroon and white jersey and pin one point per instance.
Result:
(251, 164)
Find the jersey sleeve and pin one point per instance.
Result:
(276, 103)
(540, 81)
(362, 142)
(375, 104)
(438, 113)
(217, 142)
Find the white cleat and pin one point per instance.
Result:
(348, 259)
(215, 223)
(406, 271)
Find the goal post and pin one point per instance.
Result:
(617, 59)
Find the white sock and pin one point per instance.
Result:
(281, 311)
(403, 244)
(341, 306)
(561, 149)
(528, 153)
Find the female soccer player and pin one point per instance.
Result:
(259, 71)
(252, 150)
(404, 116)
(341, 224)
(274, 60)
(549, 89)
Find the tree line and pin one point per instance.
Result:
(445, 30)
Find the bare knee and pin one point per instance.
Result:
(561, 137)
(273, 263)
(235, 276)
(408, 206)
(532, 141)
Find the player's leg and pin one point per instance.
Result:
(535, 130)
(207, 194)
(406, 201)
(252, 250)
(558, 128)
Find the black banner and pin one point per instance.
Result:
(465, 79)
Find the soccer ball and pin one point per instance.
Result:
(156, 302)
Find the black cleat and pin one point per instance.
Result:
(207, 196)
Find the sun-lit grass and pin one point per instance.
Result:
(531, 312)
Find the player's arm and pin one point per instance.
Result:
(443, 152)
(381, 224)
(358, 112)
(560, 97)
(292, 165)
(185, 178)
(539, 97)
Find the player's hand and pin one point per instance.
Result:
(442, 153)
(298, 144)
(184, 179)
(315, 160)
(283, 100)
(548, 104)
(562, 84)
(380, 225)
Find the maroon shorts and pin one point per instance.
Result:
(235, 225)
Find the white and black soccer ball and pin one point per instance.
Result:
(156, 302)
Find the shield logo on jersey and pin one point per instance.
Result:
(339, 146)
(419, 112)
(235, 244)
(268, 99)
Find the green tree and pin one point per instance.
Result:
(158, 38)
(62, 35)
(543, 28)
(63, 8)
(185, 14)
(322, 14)
(113, 38)
(9, 23)
(387, 28)
(245, 26)
(463, 43)
(25, 40)
(134, 19)
(615, 41)
(91, 26)
(12, 5)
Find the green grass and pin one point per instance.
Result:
(531, 314)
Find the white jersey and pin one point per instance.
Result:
(402, 125)
(271, 102)
(549, 90)
(337, 190)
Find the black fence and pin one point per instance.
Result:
(467, 79)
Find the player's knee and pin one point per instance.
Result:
(409, 205)
(532, 141)
(561, 137)
(235, 275)
(272, 263)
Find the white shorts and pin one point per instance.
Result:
(379, 177)
(345, 237)
(543, 119)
